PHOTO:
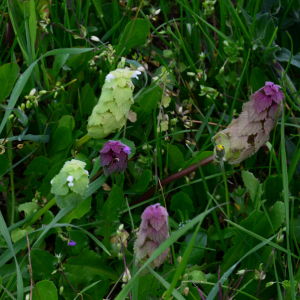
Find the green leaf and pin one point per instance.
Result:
(67, 121)
(62, 138)
(284, 56)
(39, 167)
(8, 75)
(4, 163)
(146, 101)
(147, 285)
(110, 213)
(142, 183)
(182, 202)
(273, 188)
(175, 157)
(32, 25)
(78, 211)
(46, 289)
(18, 233)
(252, 184)
(87, 99)
(88, 264)
(258, 223)
(81, 240)
(43, 264)
(135, 33)
(29, 208)
(257, 79)
(196, 254)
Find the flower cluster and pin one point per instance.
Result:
(251, 130)
(111, 112)
(114, 157)
(70, 184)
(153, 231)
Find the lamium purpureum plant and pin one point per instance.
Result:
(70, 184)
(153, 231)
(251, 130)
(114, 157)
(111, 112)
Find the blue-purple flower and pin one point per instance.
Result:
(72, 243)
(114, 157)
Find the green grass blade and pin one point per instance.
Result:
(6, 236)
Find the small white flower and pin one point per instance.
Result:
(32, 92)
(70, 178)
(70, 184)
(135, 74)
(51, 181)
(94, 38)
(87, 172)
(109, 77)
(157, 12)
(58, 255)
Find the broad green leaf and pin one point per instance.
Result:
(142, 184)
(110, 213)
(258, 223)
(273, 189)
(62, 138)
(196, 254)
(88, 264)
(175, 157)
(81, 240)
(258, 79)
(43, 264)
(18, 233)
(29, 208)
(78, 211)
(252, 184)
(39, 167)
(147, 285)
(8, 75)
(67, 121)
(4, 163)
(135, 33)
(146, 102)
(47, 291)
(87, 99)
(182, 202)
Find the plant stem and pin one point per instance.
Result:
(82, 141)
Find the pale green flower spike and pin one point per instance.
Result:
(111, 112)
(70, 184)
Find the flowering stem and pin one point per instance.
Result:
(126, 270)
(40, 212)
(82, 141)
(226, 190)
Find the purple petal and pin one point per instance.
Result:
(72, 243)
(269, 91)
(105, 158)
(158, 223)
(126, 150)
(269, 125)
(279, 96)
(262, 102)
(260, 140)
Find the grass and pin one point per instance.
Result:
(197, 64)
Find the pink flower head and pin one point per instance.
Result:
(153, 231)
(266, 96)
(251, 130)
(114, 157)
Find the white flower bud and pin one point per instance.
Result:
(95, 39)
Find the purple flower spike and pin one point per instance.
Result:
(114, 157)
(153, 231)
(72, 243)
(251, 130)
